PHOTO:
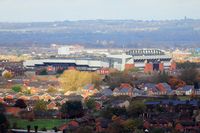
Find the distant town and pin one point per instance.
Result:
(70, 88)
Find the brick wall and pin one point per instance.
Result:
(148, 68)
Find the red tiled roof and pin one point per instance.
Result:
(125, 85)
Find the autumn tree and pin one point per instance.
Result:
(51, 89)
(175, 82)
(7, 74)
(73, 80)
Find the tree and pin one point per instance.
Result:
(136, 108)
(3, 120)
(2, 108)
(161, 77)
(176, 82)
(20, 103)
(17, 88)
(90, 103)
(7, 74)
(85, 129)
(73, 80)
(110, 111)
(133, 124)
(72, 109)
(116, 78)
(40, 105)
(43, 72)
(51, 89)
(189, 75)
(115, 128)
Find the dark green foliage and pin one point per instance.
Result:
(188, 65)
(2, 108)
(17, 88)
(136, 108)
(109, 112)
(86, 129)
(189, 76)
(43, 72)
(60, 71)
(72, 109)
(20, 103)
(90, 103)
(115, 79)
(157, 130)
(162, 77)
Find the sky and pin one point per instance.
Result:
(59, 10)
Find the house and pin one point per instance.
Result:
(52, 105)
(1, 100)
(120, 103)
(137, 92)
(150, 89)
(124, 89)
(89, 90)
(164, 88)
(107, 92)
(13, 111)
(185, 90)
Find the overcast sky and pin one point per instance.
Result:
(58, 10)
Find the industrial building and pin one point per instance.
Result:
(147, 59)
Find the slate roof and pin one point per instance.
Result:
(107, 92)
(186, 88)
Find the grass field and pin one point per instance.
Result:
(41, 123)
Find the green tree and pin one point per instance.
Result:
(17, 88)
(136, 108)
(43, 72)
(2, 108)
(20, 103)
(40, 105)
(110, 111)
(116, 78)
(72, 109)
(189, 75)
(85, 129)
(90, 103)
(115, 128)
(133, 124)
(161, 77)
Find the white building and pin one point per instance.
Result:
(70, 49)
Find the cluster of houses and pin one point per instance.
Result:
(183, 116)
(55, 100)
(150, 89)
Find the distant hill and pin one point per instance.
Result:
(103, 33)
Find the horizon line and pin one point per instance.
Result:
(77, 20)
